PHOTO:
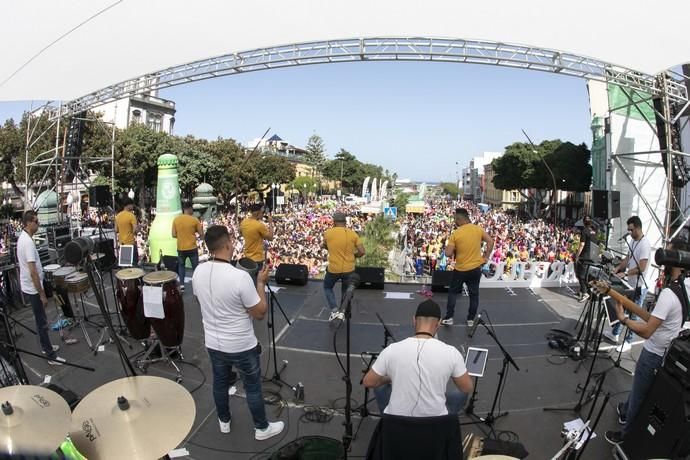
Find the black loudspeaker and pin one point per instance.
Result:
(99, 196)
(440, 280)
(107, 248)
(297, 274)
(371, 277)
(662, 427)
(606, 204)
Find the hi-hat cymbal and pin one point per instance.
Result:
(33, 421)
(142, 417)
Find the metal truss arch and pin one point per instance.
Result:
(379, 49)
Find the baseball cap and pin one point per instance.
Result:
(429, 309)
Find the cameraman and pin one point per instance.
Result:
(658, 327)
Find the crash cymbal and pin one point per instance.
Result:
(142, 417)
(33, 421)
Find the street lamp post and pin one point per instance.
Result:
(273, 194)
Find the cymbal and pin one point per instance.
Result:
(153, 416)
(33, 421)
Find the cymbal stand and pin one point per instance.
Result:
(80, 319)
(14, 358)
(272, 301)
(104, 330)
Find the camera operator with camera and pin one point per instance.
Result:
(658, 327)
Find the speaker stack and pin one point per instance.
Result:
(371, 277)
(440, 280)
(606, 204)
(99, 196)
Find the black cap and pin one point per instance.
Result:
(428, 309)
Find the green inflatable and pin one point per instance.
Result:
(167, 207)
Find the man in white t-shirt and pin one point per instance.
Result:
(410, 376)
(31, 282)
(229, 302)
(634, 267)
(659, 327)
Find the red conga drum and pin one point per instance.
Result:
(131, 302)
(170, 330)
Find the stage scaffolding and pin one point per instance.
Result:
(670, 86)
(55, 164)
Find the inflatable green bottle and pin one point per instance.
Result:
(167, 207)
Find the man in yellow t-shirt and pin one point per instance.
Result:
(185, 228)
(343, 246)
(126, 228)
(465, 245)
(254, 232)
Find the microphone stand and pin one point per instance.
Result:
(347, 437)
(271, 326)
(491, 417)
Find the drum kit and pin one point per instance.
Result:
(140, 417)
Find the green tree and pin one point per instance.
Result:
(450, 188)
(273, 169)
(11, 151)
(304, 184)
(315, 156)
(378, 241)
(400, 200)
(571, 166)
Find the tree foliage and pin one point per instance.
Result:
(11, 151)
(378, 241)
(316, 154)
(450, 188)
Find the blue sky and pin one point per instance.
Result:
(416, 119)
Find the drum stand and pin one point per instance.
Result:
(104, 329)
(143, 362)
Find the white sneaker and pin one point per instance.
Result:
(271, 430)
(335, 314)
(55, 348)
(611, 336)
(470, 322)
(57, 361)
(447, 321)
(224, 426)
(625, 346)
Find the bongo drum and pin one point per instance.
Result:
(77, 282)
(60, 274)
(130, 297)
(170, 330)
(48, 280)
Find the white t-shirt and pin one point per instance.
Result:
(225, 293)
(641, 249)
(419, 370)
(669, 310)
(27, 252)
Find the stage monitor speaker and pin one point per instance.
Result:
(371, 277)
(107, 248)
(606, 204)
(99, 196)
(662, 427)
(297, 274)
(440, 280)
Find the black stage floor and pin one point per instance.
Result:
(521, 318)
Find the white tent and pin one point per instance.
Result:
(67, 49)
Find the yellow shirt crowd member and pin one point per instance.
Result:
(185, 228)
(467, 240)
(341, 243)
(126, 224)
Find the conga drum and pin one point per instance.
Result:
(170, 330)
(48, 280)
(129, 295)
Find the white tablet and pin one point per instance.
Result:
(476, 361)
(126, 255)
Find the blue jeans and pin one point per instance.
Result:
(617, 328)
(645, 371)
(182, 257)
(455, 399)
(41, 324)
(328, 282)
(470, 278)
(248, 363)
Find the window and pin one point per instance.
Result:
(136, 116)
(154, 121)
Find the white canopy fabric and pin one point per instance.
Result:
(60, 50)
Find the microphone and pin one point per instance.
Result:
(625, 235)
(352, 283)
(475, 325)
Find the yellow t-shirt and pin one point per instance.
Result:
(186, 227)
(125, 222)
(341, 243)
(467, 240)
(253, 232)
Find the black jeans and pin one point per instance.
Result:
(581, 267)
(41, 324)
(470, 278)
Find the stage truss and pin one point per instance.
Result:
(670, 86)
